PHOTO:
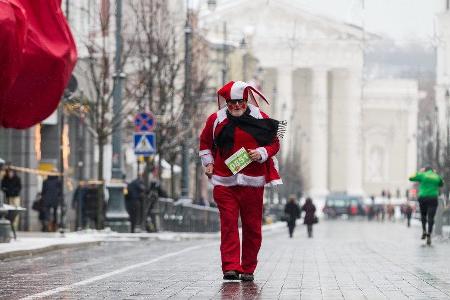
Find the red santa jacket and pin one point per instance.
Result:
(257, 173)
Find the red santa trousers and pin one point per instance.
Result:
(248, 202)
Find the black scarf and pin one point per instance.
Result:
(264, 131)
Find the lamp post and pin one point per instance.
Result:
(116, 215)
(446, 162)
(187, 97)
(187, 102)
(225, 54)
(68, 93)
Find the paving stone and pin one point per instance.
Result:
(344, 260)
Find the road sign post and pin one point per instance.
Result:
(144, 143)
(144, 122)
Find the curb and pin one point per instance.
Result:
(31, 252)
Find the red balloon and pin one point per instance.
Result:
(37, 55)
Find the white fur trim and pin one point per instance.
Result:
(237, 90)
(206, 157)
(238, 179)
(263, 152)
(204, 152)
(221, 114)
(274, 182)
(255, 111)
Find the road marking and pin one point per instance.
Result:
(113, 273)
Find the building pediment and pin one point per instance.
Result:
(278, 19)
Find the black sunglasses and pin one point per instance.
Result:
(236, 101)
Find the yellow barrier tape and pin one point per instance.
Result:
(51, 173)
(34, 171)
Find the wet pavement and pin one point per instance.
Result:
(345, 260)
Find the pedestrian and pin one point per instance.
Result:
(51, 196)
(429, 184)
(134, 200)
(390, 209)
(310, 216)
(93, 209)
(38, 205)
(292, 213)
(371, 209)
(240, 125)
(408, 213)
(11, 186)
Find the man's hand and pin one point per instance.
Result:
(209, 170)
(254, 154)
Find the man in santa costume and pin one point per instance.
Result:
(240, 123)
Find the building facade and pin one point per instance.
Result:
(313, 74)
(442, 89)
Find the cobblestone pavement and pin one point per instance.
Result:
(344, 260)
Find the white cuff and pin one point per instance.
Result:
(206, 157)
(263, 152)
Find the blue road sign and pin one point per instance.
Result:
(144, 143)
(144, 122)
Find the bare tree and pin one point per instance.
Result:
(158, 64)
(157, 80)
(97, 105)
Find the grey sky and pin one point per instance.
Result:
(400, 19)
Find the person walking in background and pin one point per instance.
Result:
(134, 200)
(51, 197)
(38, 205)
(390, 210)
(292, 213)
(408, 213)
(429, 184)
(11, 186)
(310, 215)
(371, 209)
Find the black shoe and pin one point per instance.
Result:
(428, 240)
(230, 275)
(247, 277)
(424, 236)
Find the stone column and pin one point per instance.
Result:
(319, 134)
(284, 107)
(411, 166)
(354, 133)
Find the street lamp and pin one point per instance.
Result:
(446, 162)
(116, 215)
(186, 104)
(212, 4)
(68, 93)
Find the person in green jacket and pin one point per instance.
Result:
(429, 185)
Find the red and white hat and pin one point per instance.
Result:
(234, 90)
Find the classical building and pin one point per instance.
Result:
(389, 129)
(313, 75)
(443, 68)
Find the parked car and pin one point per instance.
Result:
(337, 204)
